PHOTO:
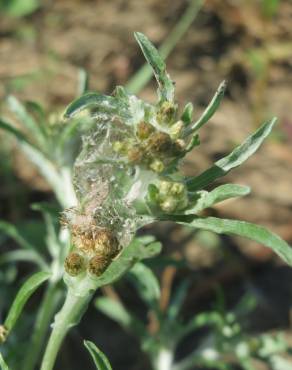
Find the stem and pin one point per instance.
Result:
(142, 77)
(164, 359)
(69, 316)
(44, 317)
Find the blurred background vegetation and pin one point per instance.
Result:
(43, 45)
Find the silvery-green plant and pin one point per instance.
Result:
(125, 176)
(224, 342)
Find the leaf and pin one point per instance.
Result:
(211, 318)
(104, 103)
(247, 230)
(23, 256)
(178, 299)
(3, 365)
(45, 167)
(50, 215)
(187, 114)
(219, 194)
(166, 86)
(234, 159)
(133, 253)
(27, 120)
(145, 283)
(210, 110)
(100, 360)
(11, 231)
(14, 131)
(83, 81)
(28, 288)
(117, 312)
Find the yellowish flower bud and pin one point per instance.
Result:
(157, 166)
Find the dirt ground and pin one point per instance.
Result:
(40, 56)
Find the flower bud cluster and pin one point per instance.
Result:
(156, 142)
(170, 196)
(94, 248)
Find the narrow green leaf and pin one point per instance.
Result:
(99, 358)
(14, 131)
(45, 167)
(210, 110)
(219, 194)
(51, 218)
(133, 253)
(145, 282)
(248, 230)
(28, 288)
(3, 365)
(178, 299)
(83, 82)
(105, 104)
(23, 256)
(11, 231)
(187, 114)
(166, 86)
(27, 120)
(239, 155)
(117, 312)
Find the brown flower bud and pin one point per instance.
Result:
(106, 244)
(98, 264)
(3, 334)
(135, 155)
(144, 130)
(166, 113)
(74, 264)
(159, 142)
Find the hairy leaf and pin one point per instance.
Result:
(234, 159)
(166, 86)
(248, 230)
(11, 231)
(100, 360)
(117, 312)
(145, 282)
(103, 103)
(210, 110)
(23, 256)
(3, 365)
(28, 288)
(35, 130)
(133, 253)
(219, 194)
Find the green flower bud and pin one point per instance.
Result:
(157, 166)
(169, 205)
(74, 264)
(3, 334)
(176, 130)
(119, 146)
(98, 264)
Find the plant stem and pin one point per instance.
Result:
(142, 77)
(164, 359)
(69, 316)
(44, 317)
